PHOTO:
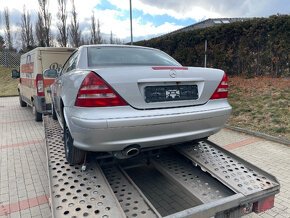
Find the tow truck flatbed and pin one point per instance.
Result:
(219, 183)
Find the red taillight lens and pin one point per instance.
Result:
(95, 92)
(39, 85)
(222, 90)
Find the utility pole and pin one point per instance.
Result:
(131, 22)
(205, 50)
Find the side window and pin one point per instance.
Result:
(70, 64)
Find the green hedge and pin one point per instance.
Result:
(255, 47)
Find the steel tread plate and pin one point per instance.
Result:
(75, 193)
(201, 185)
(130, 199)
(239, 175)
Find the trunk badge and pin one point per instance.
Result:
(172, 73)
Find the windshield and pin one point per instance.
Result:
(114, 56)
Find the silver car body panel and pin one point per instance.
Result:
(142, 123)
(114, 128)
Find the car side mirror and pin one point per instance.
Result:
(15, 74)
(50, 73)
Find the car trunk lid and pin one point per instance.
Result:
(162, 87)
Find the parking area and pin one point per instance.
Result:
(23, 170)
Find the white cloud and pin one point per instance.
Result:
(121, 28)
(201, 9)
(178, 9)
(108, 18)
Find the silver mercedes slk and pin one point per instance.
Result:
(122, 99)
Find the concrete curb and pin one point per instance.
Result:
(6, 96)
(260, 135)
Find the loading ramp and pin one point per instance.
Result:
(212, 180)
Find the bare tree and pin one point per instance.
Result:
(46, 21)
(26, 30)
(99, 37)
(96, 37)
(62, 37)
(74, 30)
(111, 38)
(1, 43)
(39, 30)
(118, 41)
(93, 30)
(85, 40)
(7, 29)
(1, 38)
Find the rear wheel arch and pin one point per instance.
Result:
(61, 111)
(73, 155)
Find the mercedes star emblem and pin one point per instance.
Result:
(172, 73)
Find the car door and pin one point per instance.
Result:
(60, 81)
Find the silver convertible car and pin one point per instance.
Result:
(122, 99)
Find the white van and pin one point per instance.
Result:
(34, 87)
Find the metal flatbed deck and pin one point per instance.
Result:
(219, 182)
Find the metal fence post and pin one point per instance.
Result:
(5, 58)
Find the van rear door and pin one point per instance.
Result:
(52, 60)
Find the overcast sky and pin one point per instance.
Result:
(150, 17)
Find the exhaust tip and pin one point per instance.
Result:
(132, 152)
(128, 152)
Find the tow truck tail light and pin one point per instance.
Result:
(264, 204)
(39, 85)
(222, 90)
(95, 92)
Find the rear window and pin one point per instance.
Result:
(111, 56)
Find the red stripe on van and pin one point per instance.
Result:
(48, 82)
(28, 82)
(32, 82)
(170, 68)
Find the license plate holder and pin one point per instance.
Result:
(170, 93)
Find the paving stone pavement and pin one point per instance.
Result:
(23, 172)
(269, 156)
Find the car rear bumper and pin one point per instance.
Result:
(115, 128)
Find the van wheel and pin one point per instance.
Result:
(22, 103)
(53, 112)
(73, 155)
(37, 115)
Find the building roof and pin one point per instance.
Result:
(209, 22)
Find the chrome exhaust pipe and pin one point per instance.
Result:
(132, 152)
(129, 151)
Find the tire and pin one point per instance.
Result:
(22, 103)
(37, 115)
(73, 155)
(53, 112)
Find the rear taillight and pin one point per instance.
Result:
(39, 85)
(95, 92)
(222, 90)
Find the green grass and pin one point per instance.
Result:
(261, 105)
(8, 86)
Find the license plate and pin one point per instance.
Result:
(170, 93)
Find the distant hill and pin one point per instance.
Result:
(254, 47)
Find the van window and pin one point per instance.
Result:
(70, 64)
